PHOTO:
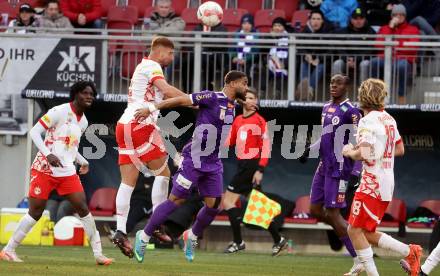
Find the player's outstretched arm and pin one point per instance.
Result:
(143, 113)
(84, 169)
(168, 90)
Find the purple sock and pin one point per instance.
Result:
(159, 216)
(204, 218)
(347, 242)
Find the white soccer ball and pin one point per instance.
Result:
(210, 13)
(314, 3)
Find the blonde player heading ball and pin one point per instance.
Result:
(139, 142)
(378, 141)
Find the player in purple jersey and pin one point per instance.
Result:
(334, 172)
(201, 167)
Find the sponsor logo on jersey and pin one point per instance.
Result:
(331, 110)
(157, 73)
(344, 108)
(203, 96)
(46, 119)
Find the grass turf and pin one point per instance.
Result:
(79, 261)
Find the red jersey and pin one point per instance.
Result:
(249, 135)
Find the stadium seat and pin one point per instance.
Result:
(142, 5)
(397, 211)
(232, 18)
(251, 5)
(12, 10)
(148, 11)
(189, 15)
(222, 3)
(106, 4)
(103, 202)
(431, 204)
(179, 6)
(302, 206)
(264, 18)
(288, 6)
(300, 16)
(131, 56)
(122, 17)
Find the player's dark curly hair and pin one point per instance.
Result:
(233, 76)
(80, 86)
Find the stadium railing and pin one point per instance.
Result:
(202, 60)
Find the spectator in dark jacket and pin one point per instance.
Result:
(423, 14)
(403, 57)
(25, 18)
(83, 13)
(245, 55)
(312, 62)
(355, 60)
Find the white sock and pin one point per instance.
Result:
(387, 242)
(94, 238)
(159, 193)
(432, 260)
(366, 258)
(24, 226)
(123, 206)
(144, 237)
(191, 235)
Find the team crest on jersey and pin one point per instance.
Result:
(37, 190)
(335, 120)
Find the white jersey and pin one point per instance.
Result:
(378, 129)
(64, 130)
(142, 92)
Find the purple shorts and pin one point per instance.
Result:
(328, 190)
(209, 184)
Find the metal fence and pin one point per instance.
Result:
(300, 73)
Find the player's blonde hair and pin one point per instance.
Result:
(161, 41)
(372, 94)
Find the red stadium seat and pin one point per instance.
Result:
(103, 202)
(302, 206)
(179, 6)
(142, 5)
(106, 4)
(300, 16)
(148, 11)
(264, 18)
(431, 204)
(397, 211)
(131, 56)
(122, 17)
(189, 15)
(251, 5)
(12, 10)
(288, 6)
(232, 18)
(222, 3)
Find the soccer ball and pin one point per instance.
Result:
(210, 13)
(314, 3)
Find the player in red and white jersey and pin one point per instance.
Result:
(378, 141)
(140, 142)
(53, 168)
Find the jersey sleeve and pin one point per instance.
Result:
(203, 99)
(51, 118)
(354, 117)
(265, 146)
(397, 137)
(154, 73)
(367, 135)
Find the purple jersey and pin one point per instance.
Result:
(333, 117)
(216, 111)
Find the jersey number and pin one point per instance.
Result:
(391, 134)
(356, 207)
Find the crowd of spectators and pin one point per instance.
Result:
(351, 17)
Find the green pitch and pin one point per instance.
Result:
(79, 261)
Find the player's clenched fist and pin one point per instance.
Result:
(84, 169)
(54, 161)
(346, 149)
